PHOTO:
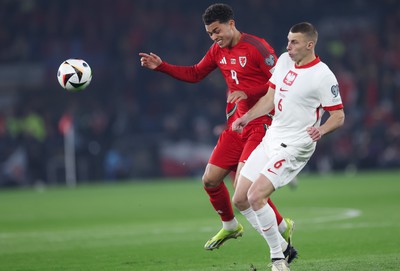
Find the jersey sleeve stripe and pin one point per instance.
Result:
(271, 85)
(258, 44)
(333, 107)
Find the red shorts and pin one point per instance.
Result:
(233, 147)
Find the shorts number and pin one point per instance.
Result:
(279, 163)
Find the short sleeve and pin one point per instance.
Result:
(329, 93)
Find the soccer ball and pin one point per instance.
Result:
(74, 74)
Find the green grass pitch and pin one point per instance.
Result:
(343, 223)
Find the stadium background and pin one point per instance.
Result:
(134, 123)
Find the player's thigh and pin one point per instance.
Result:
(255, 163)
(260, 191)
(282, 167)
(253, 139)
(227, 152)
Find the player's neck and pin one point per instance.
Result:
(236, 38)
(307, 59)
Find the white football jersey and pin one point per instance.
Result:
(302, 95)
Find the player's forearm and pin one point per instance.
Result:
(335, 120)
(184, 73)
(258, 91)
(262, 107)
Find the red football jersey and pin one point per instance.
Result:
(247, 67)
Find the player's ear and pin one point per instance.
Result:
(310, 45)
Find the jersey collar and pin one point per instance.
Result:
(308, 65)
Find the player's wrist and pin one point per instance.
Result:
(160, 66)
(321, 132)
(246, 118)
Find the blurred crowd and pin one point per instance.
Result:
(135, 123)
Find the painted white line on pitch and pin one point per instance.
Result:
(318, 216)
(338, 214)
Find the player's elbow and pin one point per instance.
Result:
(340, 117)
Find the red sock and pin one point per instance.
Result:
(277, 214)
(221, 201)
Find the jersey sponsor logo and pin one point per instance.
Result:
(335, 90)
(233, 61)
(289, 78)
(242, 60)
(270, 61)
(223, 61)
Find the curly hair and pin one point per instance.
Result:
(222, 13)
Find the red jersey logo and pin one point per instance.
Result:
(289, 78)
(242, 60)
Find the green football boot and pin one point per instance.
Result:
(288, 233)
(223, 235)
(290, 252)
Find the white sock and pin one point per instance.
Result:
(250, 215)
(267, 222)
(230, 225)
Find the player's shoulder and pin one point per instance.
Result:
(214, 47)
(285, 57)
(324, 69)
(257, 43)
(214, 51)
(324, 66)
(284, 60)
(246, 37)
(254, 40)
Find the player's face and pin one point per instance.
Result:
(221, 33)
(299, 47)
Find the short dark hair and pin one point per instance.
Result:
(222, 13)
(307, 29)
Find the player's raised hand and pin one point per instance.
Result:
(236, 96)
(150, 61)
(314, 133)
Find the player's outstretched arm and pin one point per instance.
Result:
(335, 120)
(150, 61)
(261, 108)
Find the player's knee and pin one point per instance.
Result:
(240, 201)
(210, 182)
(255, 200)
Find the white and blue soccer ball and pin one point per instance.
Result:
(74, 74)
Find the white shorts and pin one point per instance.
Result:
(278, 162)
